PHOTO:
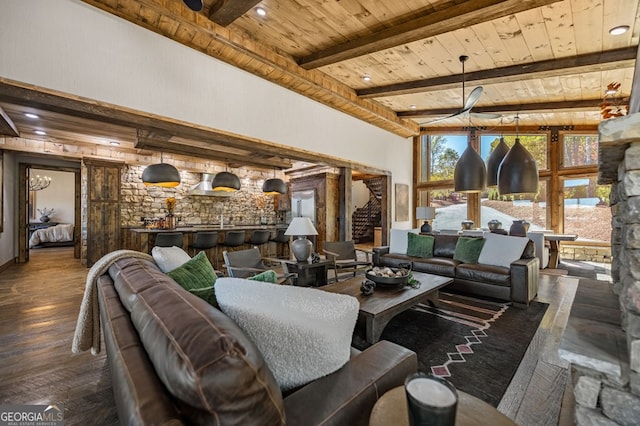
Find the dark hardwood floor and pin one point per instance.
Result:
(39, 303)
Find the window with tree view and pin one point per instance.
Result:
(529, 207)
(580, 150)
(440, 160)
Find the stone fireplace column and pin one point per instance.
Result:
(602, 342)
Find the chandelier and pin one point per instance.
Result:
(39, 182)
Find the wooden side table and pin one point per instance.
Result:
(310, 274)
(391, 409)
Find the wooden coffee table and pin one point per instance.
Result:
(391, 409)
(385, 303)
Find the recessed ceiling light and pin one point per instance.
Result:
(114, 143)
(366, 77)
(413, 107)
(40, 132)
(620, 29)
(261, 11)
(30, 115)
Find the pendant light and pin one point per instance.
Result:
(518, 172)
(470, 175)
(274, 186)
(195, 5)
(164, 175)
(494, 160)
(226, 181)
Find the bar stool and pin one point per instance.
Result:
(259, 238)
(233, 239)
(280, 238)
(206, 240)
(168, 239)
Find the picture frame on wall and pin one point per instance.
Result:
(402, 202)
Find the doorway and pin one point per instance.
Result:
(48, 196)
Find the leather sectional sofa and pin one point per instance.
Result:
(518, 283)
(175, 359)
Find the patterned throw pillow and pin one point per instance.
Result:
(268, 276)
(468, 249)
(198, 277)
(420, 245)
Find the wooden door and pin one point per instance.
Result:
(103, 209)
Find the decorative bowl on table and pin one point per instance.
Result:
(388, 277)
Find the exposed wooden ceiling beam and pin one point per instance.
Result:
(461, 15)
(224, 12)
(203, 35)
(7, 126)
(202, 150)
(17, 93)
(591, 62)
(586, 105)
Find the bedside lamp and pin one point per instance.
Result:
(301, 247)
(426, 214)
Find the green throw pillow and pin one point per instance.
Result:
(468, 249)
(266, 276)
(419, 245)
(198, 277)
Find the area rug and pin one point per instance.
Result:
(475, 344)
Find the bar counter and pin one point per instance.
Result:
(143, 239)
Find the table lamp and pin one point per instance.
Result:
(301, 247)
(426, 214)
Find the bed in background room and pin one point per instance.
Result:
(58, 235)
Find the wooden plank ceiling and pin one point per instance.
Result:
(547, 60)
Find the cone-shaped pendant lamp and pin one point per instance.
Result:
(225, 181)
(518, 172)
(494, 160)
(470, 174)
(164, 175)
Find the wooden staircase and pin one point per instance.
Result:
(367, 217)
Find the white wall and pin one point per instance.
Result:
(75, 48)
(60, 196)
(359, 194)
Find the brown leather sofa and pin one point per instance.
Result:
(517, 284)
(175, 359)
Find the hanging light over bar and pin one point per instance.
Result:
(226, 181)
(164, 175)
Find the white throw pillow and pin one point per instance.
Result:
(169, 258)
(302, 333)
(501, 250)
(398, 240)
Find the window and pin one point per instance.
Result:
(532, 208)
(586, 209)
(451, 207)
(579, 150)
(439, 162)
(535, 144)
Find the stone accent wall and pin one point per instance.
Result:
(603, 398)
(249, 206)
(586, 253)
